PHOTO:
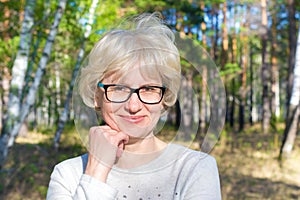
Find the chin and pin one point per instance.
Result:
(138, 132)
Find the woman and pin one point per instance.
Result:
(131, 79)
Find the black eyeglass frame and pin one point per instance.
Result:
(132, 90)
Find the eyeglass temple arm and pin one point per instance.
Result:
(100, 85)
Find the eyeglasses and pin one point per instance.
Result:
(120, 93)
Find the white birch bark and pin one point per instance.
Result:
(19, 70)
(293, 115)
(64, 115)
(57, 85)
(5, 78)
(34, 53)
(17, 82)
(277, 98)
(8, 141)
(295, 96)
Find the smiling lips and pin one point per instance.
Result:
(133, 119)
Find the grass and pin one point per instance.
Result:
(248, 165)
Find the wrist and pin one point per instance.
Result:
(97, 170)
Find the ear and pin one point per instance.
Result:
(97, 99)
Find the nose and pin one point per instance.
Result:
(133, 105)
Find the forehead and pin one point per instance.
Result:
(136, 75)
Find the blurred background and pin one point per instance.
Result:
(254, 43)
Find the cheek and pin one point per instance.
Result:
(155, 111)
(156, 108)
(109, 109)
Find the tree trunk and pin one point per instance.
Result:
(275, 102)
(187, 108)
(232, 107)
(18, 76)
(28, 77)
(203, 26)
(64, 115)
(4, 87)
(266, 115)
(8, 138)
(203, 102)
(178, 114)
(233, 99)
(19, 71)
(251, 87)
(292, 47)
(244, 63)
(292, 119)
(215, 37)
(224, 55)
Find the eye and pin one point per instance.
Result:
(150, 89)
(120, 88)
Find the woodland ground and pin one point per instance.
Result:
(247, 161)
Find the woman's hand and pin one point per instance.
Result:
(105, 146)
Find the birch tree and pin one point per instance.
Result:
(19, 70)
(8, 138)
(64, 115)
(292, 31)
(293, 113)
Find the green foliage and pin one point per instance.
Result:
(13, 28)
(42, 190)
(149, 6)
(232, 69)
(44, 129)
(8, 51)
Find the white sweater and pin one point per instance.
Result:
(178, 173)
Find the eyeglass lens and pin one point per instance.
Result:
(121, 93)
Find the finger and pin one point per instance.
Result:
(120, 137)
(126, 139)
(105, 130)
(120, 149)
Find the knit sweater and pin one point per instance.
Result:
(178, 173)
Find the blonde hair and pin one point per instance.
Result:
(144, 39)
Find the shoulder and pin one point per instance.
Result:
(186, 153)
(199, 176)
(67, 174)
(74, 165)
(193, 159)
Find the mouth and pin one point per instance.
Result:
(133, 119)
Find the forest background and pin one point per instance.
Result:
(252, 42)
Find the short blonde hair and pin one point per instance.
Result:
(145, 39)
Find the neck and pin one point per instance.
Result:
(140, 152)
(150, 144)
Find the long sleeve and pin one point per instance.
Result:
(70, 183)
(204, 182)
